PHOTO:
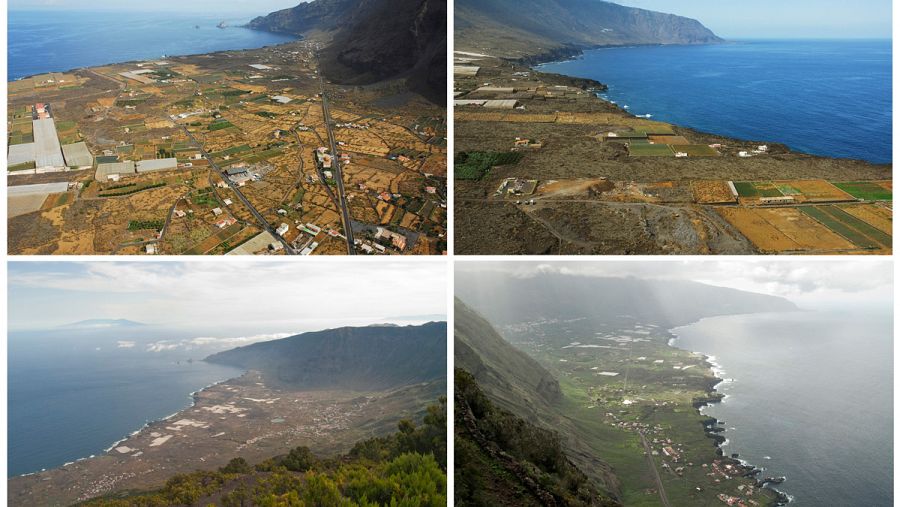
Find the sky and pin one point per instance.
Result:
(242, 296)
(256, 7)
(782, 18)
(813, 284)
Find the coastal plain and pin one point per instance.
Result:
(236, 152)
(247, 416)
(548, 167)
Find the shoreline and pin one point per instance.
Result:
(162, 57)
(192, 396)
(571, 53)
(711, 425)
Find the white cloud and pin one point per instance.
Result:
(248, 296)
(125, 344)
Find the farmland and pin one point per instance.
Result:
(228, 152)
(613, 183)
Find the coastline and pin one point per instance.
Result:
(712, 426)
(294, 38)
(193, 395)
(573, 52)
(194, 399)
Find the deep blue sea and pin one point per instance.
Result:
(72, 394)
(50, 41)
(825, 97)
(809, 396)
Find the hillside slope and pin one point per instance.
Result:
(520, 385)
(532, 27)
(356, 358)
(503, 460)
(374, 40)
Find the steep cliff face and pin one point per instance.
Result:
(375, 40)
(323, 15)
(506, 373)
(557, 23)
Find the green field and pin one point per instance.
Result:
(858, 232)
(865, 190)
(650, 150)
(756, 189)
(220, 124)
(230, 151)
(474, 165)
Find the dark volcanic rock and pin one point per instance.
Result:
(375, 40)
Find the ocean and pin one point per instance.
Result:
(72, 394)
(809, 396)
(824, 97)
(53, 41)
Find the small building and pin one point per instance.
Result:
(466, 70)
(501, 104)
(227, 202)
(217, 211)
(495, 89)
(282, 229)
(787, 199)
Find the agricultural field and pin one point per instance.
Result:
(213, 114)
(819, 229)
(867, 190)
(611, 182)
(712, 192)
(650, 150)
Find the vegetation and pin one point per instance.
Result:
(504, 460)
(405, 469)
(474, 165)
(866, 190)
(220, 124)
(132, 190)
(140, 225)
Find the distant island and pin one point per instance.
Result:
(103, 323)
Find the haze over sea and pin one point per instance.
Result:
(73, 393)
(53, 41)
(824, 97)
(809, 397)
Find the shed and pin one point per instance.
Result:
(162, 164)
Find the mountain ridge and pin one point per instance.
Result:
(374, 40)
(559, 28)
(367, 358)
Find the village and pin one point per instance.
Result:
(227, 153)
(630, 381)
(245, 416)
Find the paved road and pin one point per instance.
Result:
(256, 214)
(336, 166)
(659, 485)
